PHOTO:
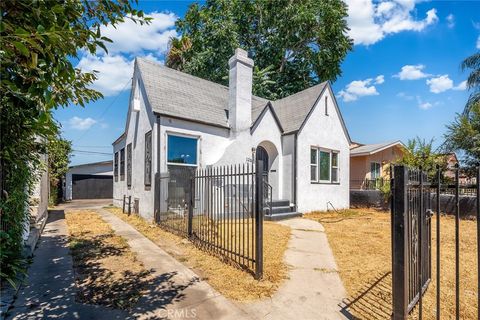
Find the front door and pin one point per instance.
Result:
(262, 154)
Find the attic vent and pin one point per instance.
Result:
(136, 98)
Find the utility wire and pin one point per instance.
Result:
(106, 109)
(92, 152)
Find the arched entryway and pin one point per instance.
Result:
(262, 154)
(267, 152)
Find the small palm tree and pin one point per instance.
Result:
(473, 81)
(177, 51)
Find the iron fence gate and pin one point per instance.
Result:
(220, 209)
(411, 239)
(416, 197)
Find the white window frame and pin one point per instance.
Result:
(314, 165)
(320, 150)
(337, 167)
(183, 135)
(317, 165)
(379, 170)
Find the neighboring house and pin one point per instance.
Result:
(89, 181)
(450, 160)
(370, 163)
(176, 120)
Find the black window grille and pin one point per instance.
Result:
(122, 164)
(115, 167)
(129, 165)
(148, 158)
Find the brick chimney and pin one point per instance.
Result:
(240, 91)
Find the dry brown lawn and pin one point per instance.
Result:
(360, 240)
(233, 283)
(106, 270)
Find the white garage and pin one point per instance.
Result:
(89, 181)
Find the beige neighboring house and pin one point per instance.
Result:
(370, 163)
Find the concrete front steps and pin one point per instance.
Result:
(281, 210)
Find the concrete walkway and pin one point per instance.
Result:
(50, 288)
(178, 292)
(313, 289)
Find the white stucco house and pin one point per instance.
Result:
(176, 119)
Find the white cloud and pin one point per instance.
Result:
(461, 86)
(478, 42)
(440, 84)
(113, 72)
(412, 72)
(380, 79)
(405, 96)
(360, 88)
(371, 21)
(131, 37)
(451, 21)
(425, 105)
(78, 123)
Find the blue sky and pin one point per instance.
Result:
(402, 79)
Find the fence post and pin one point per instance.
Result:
(259, 219)
(123, 207)
(129, 205)
(190, 205)
(399, 215)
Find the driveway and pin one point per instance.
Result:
(85, 204)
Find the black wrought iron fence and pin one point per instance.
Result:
(415, 199)
(218, 209)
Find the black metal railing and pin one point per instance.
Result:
(220, 209)
(415, 199)
(267, 194)
(369, 184)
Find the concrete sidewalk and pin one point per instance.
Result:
(178, 293)
(50, 288)
(313, 289)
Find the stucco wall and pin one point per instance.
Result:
(360, 166)
(216, 146)
(138, 124)
(288, 154)
(324, 131)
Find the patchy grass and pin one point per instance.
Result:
(106, 270)
(233, 283)
(361, 242)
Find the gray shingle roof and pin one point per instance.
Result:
(372, 148)
(174, 93)
(293, 110)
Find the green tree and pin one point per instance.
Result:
(39, 43)
(473, 82)
(58, 151)
(296, 44)
(420, 153)
(463, 134)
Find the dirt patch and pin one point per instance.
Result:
(228, 280)
(106, 270)
(361, 242)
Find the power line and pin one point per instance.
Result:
(106, 109)
(92, 152)
(77, 146)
